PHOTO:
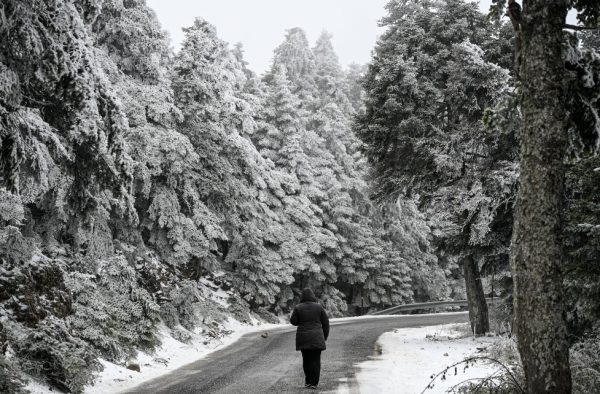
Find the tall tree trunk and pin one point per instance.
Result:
(536, 245)
(478, 310)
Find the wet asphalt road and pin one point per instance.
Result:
(254, 365)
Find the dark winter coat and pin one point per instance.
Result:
(312, 322)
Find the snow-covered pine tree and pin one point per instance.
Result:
(353, 86)
(427, 89)
(329, 76)
(252, 201)
(66, 167)
(322, 153)
(295, 55)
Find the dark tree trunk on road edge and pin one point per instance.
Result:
(478, 310)
(536, 250)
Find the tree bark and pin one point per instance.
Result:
(536, 250)
(478, 310)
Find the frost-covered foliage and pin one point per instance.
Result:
(51, 352)
(62, 129)
(429, 81)
(581, 79)
(583, 357)
(436, 71)
(129, 176)
(582, 241)
(10, 378)
(238, 185)
(312, 140)
(585, 365)
(35, 303)
(111, 311)
(294, 54)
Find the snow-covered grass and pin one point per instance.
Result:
(410, 356)
(171, 355)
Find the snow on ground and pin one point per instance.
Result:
(171, 355)
(35, 387)
(410, 356)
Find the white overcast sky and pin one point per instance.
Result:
(260, 25)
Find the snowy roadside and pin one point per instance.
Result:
(410, 356)
(172, 354)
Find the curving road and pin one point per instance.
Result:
(255, 364)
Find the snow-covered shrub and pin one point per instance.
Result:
(500, 315)
(32, 290)
(504, 349)
(191, 308)
(11, 207)
(111, 311)
(10, 379)
(509, 379)
(504, 355)
(50, 352)
(14, 248)
(267, 316)
(585, 365)
(168, 315)
(181, 334)
(333, 301)
(239, 309)
(182, 309)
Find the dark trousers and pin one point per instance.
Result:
(311, 363)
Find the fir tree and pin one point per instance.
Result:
(299, 61)
(427, 89)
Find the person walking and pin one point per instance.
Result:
(312, 332)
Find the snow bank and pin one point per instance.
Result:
(410, 356)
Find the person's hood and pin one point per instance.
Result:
(308, 296)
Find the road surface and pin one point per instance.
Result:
(255, 364)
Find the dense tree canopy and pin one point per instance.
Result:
(135, 181)
(130, 176)
(427, 90)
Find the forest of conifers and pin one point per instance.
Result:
(133, 179)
